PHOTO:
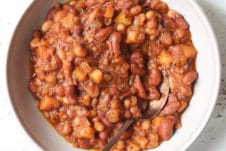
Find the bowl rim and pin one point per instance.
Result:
(34, 144)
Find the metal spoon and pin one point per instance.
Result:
(154, 109)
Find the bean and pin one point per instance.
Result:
(190, 77)
(109, 12)
(154, 94)
(138, 84)
(154, 77)
(103, 33)
(135, 10)
(172, 105)
(47, 103)
(166, 128)
(91, 3)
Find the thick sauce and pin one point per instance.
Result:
(96, 63)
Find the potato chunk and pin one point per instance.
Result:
(165, 59)
(96, 76)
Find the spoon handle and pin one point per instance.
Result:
(119, 133)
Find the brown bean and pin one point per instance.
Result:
(172, 105)
(135, 10)
(190, 77)
(91, 3)
(154, 77)
(138, 84)
(115, 39)
(166, 128)
(103, 33)
(70, 93)
(181, 22)
(124, 4)
(105, 121)
(154, 94)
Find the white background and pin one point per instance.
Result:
(212, 138)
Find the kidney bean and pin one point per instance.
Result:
(154, 77)
(103, 33)
(166, 128)
(190, 77)
(138, 84)
(135, 10)
(124, 4)
(115, 39)
(181, 23)
(91, 3)
(154, 94)
(69, 91)
(104, 120)
(172, 105)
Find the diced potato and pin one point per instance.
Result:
(79, 75)
(47, 103)
(122, 18)
(98, 126)
(96, 76)
(87, 132)
(165, 59)
(188, 50)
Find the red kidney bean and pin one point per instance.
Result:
(103, 33)
(181, 23)
(154, 77)
(115, 39)
(91, 3)
(172, 105)
(190, 77)
(154, 94)
(138, 84)
(166, 128)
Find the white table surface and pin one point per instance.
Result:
(212, 138)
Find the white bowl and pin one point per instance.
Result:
(44, 137)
